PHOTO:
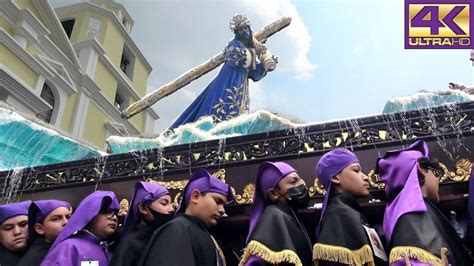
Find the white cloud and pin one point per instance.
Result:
(297, 35)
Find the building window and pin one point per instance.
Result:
(127, 62)
(119, 102)
(122, 98)
(68, 26)
(47, 95)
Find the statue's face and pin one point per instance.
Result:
(244, 31)
(244, 34)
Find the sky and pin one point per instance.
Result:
(337, 59)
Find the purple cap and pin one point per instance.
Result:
(398, 169)
(144, 192)
(8, 211)
(203, 181)
(330, 165)
(89, 207)
(39, 210)
(268, 176)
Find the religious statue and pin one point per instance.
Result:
(227, 96)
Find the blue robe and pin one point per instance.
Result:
(226, 96)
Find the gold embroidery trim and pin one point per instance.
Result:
(257, 249)
(402, 252)
(343, 255)
(219, 251)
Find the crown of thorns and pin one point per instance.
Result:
(239, 21)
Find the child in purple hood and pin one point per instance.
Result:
(46, 219)
(83, 241)
(276, 235)
(186, 240)
(13, 232)
(150, 208)
(417, 231)
(344, 236)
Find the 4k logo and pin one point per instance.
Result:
(437, 24)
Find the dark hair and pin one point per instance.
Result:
(424, 163)
(421, 177)
(246, 40)
(427, 164)
(185, 205)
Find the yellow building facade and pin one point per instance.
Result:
(75, 67)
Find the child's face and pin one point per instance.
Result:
(289, 181)
(353, 181)
(53, 223)
(431, 185)
(104, 224)
(210, 208)
(14, 233)
(163, 205)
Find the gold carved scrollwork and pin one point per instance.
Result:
(124, 206)
(445, 175)
(317, 188)
(247, 195)
(220, 175)
(375, 181)
(177, 185)
(177, 200)
(463, 170)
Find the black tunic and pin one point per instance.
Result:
(131, 247)
(7, 257)
(342, 234)
(430, 231)
(36, 253)
(183, 241)
(278, 230)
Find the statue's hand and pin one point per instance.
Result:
(260, 48)
(275, 58)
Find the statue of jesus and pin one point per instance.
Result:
(227, 96)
